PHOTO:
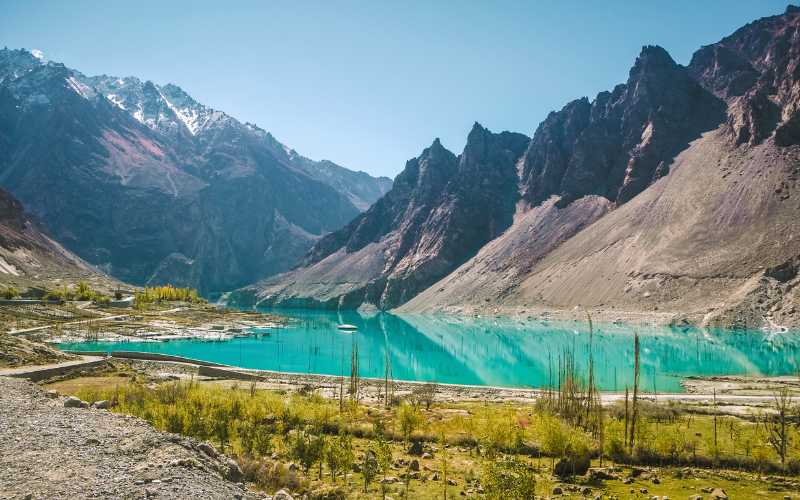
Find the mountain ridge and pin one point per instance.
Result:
(595, 179)
(151, 186)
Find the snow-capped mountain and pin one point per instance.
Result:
(153, 186)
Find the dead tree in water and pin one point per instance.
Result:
(634, 409)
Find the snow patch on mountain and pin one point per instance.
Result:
(79, 88)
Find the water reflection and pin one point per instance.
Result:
(500, 352)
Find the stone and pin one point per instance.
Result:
(415, 448)
(101, 405)
(389, 480)
(627, 480)
(656, 480)
(452, 482)
(585, 491)
(51, 394)
(232, 471)
(696, 497)
(601, 474)
(556, 490)
(643, 491)
(719, 494)
(208, 449)
(435, 476)
(73, 402)
(414, 465)
(282, 495)
(426, 456)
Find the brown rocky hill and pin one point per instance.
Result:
(673, 194)
(713, 242)
(30, 258)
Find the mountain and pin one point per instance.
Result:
(715, 242)
(151, 186)
(440, 211)
(30, 258)
(670, 196)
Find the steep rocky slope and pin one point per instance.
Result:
(440, 211)
(671, 194)
(28, 257)
(714, 242)
(152, 186)
(610, 149)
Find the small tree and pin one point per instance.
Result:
(409, 418)
(383, 454)
(344, 446)
(10, 292)
(777, 425)
(425, 394)
(334, 456)
(220, 424)
(369, 468)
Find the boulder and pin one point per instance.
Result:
(208, 449)
(415, 449)
(73, 402)
(719, 494)
(556, 490)
(232, 471)
(101, 405)
(51, 394)
(414, 465)
(282, 495)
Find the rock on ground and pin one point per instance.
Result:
(48, 451)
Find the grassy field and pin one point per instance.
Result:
(305, 443)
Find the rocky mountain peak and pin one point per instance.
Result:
(623, 141)
(756, 70)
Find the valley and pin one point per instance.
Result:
(603, 305)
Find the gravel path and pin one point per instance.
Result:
(48, 451)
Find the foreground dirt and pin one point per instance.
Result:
(49, 451)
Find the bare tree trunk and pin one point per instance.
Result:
(634, 410)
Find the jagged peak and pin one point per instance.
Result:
(792, 9)
(652, 57)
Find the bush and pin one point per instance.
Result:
(509, 478)
(168, 293)
(10, 293)
(409, 419)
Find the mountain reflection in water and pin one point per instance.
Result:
(489, 351)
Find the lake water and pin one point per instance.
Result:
(496, 352)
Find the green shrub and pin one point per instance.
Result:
(10, 293)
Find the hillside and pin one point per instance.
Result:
(715, 242)
(30, 258)
(670, 194)
(152, 186)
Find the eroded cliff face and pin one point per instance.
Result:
(612, 148)
(440, 211)
(154, 187)
(715, 242)
(625, 139)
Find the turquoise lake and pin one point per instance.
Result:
(494, 352)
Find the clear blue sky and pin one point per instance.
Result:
(370, 84)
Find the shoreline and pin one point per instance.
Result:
(735, 395)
